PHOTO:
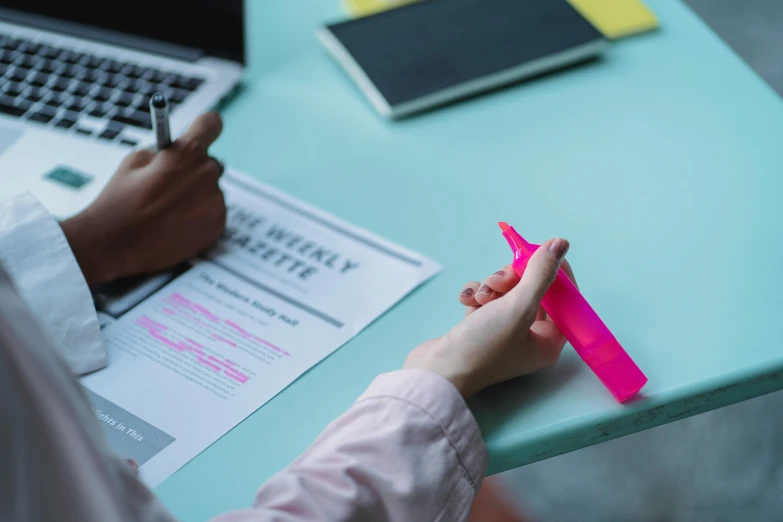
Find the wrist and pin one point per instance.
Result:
(433, 357)
(89, 249)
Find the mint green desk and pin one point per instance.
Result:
(662, 164)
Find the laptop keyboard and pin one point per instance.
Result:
(80, 92)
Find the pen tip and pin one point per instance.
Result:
(503, 225)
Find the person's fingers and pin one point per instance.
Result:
(503, 280)
(137, 159)
(539, 274)
(546, 342)
(467, 295)
(485, 294)
(208, 170)
(220, 165)
(566, 266)
(204, 130)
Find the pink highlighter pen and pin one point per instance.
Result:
(589, 336)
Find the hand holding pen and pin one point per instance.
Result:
(161, 124)
(157, 210)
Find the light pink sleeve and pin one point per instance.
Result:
(409, 449)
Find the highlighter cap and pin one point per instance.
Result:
(616, 370)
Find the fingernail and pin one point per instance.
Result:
(499, 273)
(484, 289)
(468, 292)
(559, 248)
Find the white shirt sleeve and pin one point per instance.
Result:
(35, 253)
(56, 464)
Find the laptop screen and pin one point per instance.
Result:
(214, 26)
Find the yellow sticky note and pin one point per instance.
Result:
(617, 18)
(368, 7)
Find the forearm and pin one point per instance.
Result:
(409, 449)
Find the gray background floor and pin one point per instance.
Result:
(726, 465)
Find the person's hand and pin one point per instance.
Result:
(159, 209)
(505, 333)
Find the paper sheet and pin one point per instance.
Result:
(195, 351)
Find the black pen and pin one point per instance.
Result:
(159, 111)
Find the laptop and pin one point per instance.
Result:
(76, 78)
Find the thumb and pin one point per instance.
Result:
(539, 274)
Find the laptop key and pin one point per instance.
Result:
(48, 111)
(48, 66)
(56, 95)
(70, 57)
(13, 43)
(13, 89)
(7, 106)
(19, 74)
(60, 84)
(53, 102)
(189, 83)
(30, 47)
(41, 116)
(82, 130)
(146, 89)
(170, 79)
(89, 75)
(103, 94)
(158, 76)
(34, 94)
(135, 118)
(116, 80)
(124, 100)
(65, 123)
(113, 125)
(81, 89)
(108, 134)
(22, 60)
(70, 71)
(47, 51)
(100, 110)
(178, 95)
(6, 57)
(129, 143)
(90, 61)
(132, 71)
(76, 105)
(38, 79)
(115, 66)
(109, 65)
